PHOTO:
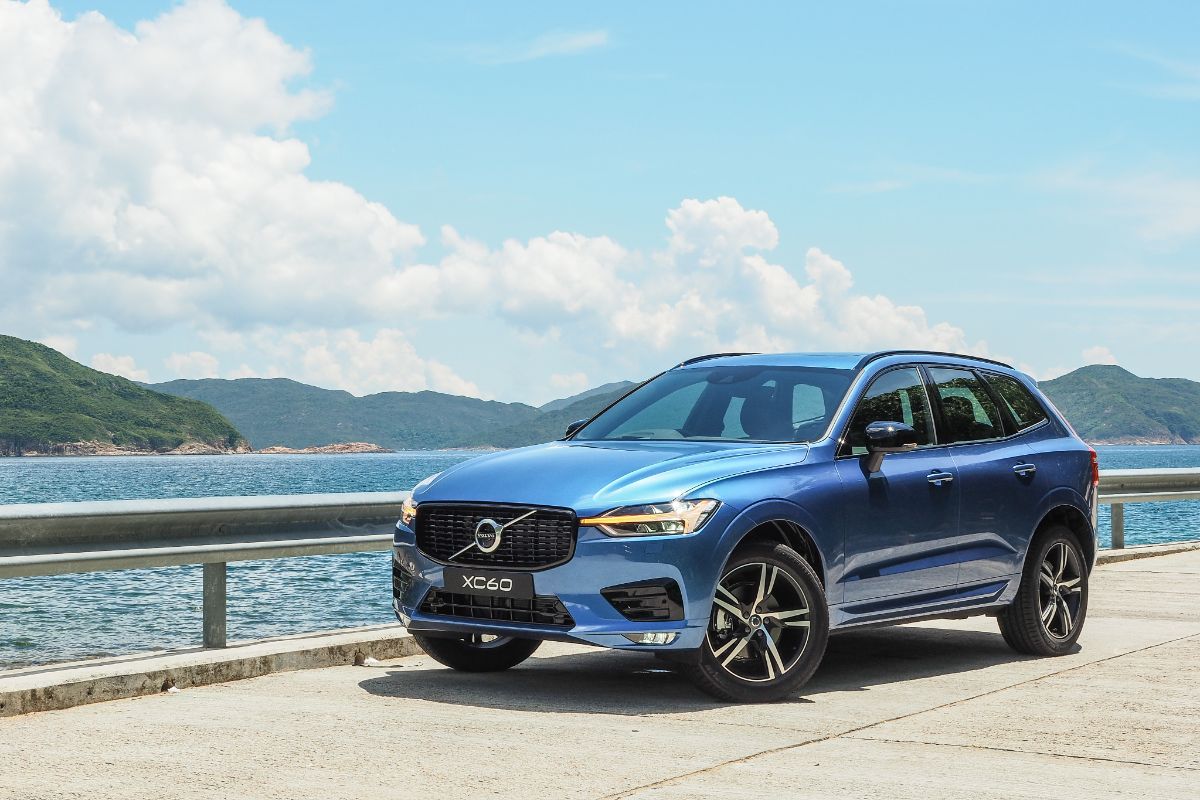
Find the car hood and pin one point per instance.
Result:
(591, 477)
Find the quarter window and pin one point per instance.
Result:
(968, 412)
(895, 396)
(1025, 409)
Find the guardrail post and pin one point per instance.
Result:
(214, 604)
(1118, 526)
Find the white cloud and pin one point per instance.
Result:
(1099, 354)
(345, 359)
(196, 364)
(67, 345)
(571, 382)
(124, 366)
(138, 183)
(719, 230)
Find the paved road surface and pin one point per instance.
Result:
(925, 711)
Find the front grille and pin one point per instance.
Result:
(541, 610)
(647, 601)
(543, 540)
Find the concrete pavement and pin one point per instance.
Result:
(923, 711)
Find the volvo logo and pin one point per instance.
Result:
(487, 535)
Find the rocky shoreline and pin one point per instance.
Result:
(110, 449)
(343, 448)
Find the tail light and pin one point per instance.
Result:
(1095, 468)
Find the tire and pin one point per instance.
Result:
(1047, 615)
(476, 653)
(753, 655)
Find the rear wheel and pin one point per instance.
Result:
(478, 653)
(768, 628)
(1047, 615)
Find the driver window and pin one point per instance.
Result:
(895, 396)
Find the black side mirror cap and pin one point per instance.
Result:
(574, 426)
(885, 437)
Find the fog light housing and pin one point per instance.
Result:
(652, 638)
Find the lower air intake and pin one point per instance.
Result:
(541, 610)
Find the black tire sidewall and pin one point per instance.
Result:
(711, 677)
(1028, 603)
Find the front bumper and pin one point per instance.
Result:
(599, 562)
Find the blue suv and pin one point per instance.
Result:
(732, 511)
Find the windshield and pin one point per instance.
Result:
(734, 404)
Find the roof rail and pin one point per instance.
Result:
(710, 356)
(862, 362)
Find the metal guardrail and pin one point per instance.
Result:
(58, 538)
(1121, 486)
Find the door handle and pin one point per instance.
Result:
(940, 478)
(1024, 470)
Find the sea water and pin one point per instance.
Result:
(64, 617)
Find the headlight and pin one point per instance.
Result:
(657, 519)
(408, 512)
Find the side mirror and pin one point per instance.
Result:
(888, 437)
(574, 426)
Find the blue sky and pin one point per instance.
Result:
(1025, 175)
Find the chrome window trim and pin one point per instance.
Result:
(933, 421)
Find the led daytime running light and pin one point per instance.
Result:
(679, 517)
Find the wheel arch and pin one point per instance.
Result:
(790, 533)
(783, 522)
(1074, 520)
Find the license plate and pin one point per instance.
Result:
(488, 583)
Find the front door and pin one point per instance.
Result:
(901, 522)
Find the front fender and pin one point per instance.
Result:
(828, 542)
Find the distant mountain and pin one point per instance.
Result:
(51, 404)
(550, 425)
(278, 411)
(1107, 404)
(617, 387)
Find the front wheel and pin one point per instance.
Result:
(478, 653)
(1046, 617)
(768, 628)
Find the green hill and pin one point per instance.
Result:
(1110, 405)
(617, 388)
(278, 411)
(550, 425)
(49, 403)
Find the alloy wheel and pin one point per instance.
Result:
(760, 624)
(1059, 590)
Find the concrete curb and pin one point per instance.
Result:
(58, 686)
(1145, 551)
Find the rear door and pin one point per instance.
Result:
(901, 522)
(994, 472)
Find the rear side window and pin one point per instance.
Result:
(968, 412)
(1025, 409)
(895, 396)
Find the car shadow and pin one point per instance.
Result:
(621, 682)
